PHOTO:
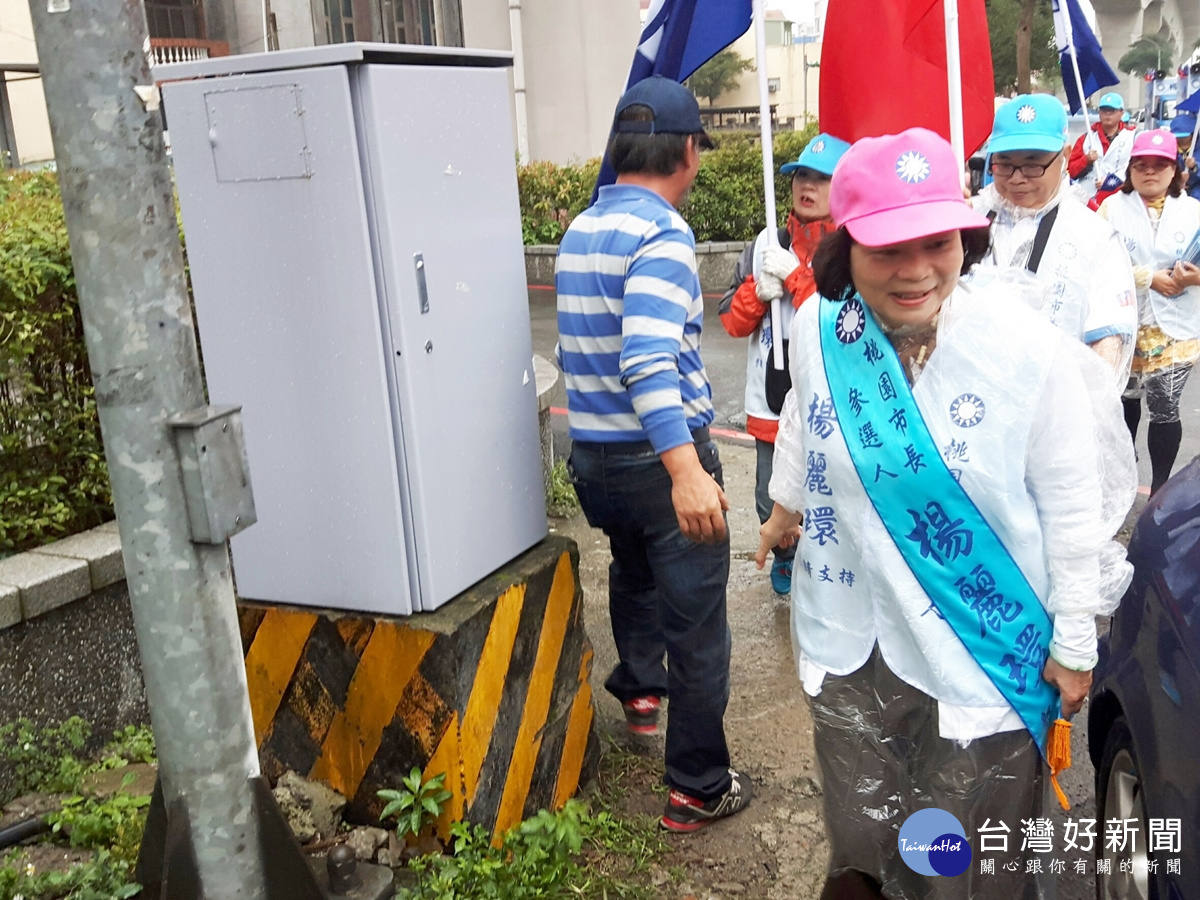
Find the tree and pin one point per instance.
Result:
(718, 75)
(1022, 38)
(1150, 51)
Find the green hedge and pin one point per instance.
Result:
(53, 480)
(726, 203)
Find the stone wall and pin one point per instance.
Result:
(492, 690)
(67, 643)
(715, 262)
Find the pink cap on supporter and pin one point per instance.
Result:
(1159, 142)
(900, 187)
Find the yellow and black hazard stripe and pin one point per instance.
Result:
(492, 690)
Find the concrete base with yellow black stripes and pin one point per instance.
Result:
(492, 689)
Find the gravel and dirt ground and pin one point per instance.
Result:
(776, 849)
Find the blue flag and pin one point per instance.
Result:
(679, 37)
(1074, 31)
(682, 35)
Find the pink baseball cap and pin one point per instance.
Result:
(899, 187)
(1159, 142)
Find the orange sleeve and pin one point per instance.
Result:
(1078, 163)
(800, 284)
(745, 311)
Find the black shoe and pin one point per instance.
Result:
(685, 814)
(641, 714)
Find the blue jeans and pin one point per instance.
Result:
(666, 597)
(763, 504)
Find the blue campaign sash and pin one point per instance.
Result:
(959, 561)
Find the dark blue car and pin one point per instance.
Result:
(1144, 716)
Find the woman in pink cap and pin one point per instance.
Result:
(1158, 221)
(952, 549)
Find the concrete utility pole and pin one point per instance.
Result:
(116, 189)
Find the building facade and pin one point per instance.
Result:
(793, 70)
(571, 57)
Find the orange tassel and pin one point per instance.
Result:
(1058, 756)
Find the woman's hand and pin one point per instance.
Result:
(1072, 686)
(1163, 282)
(782, 529)
(1186, 275)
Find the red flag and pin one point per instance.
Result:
(883, 69)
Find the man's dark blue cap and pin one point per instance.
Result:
(674, 107)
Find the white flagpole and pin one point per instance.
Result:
(768, 158)
(954, 81)
(1069, 31)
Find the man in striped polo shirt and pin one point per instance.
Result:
(639, 407)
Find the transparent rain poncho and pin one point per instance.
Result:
(1047, 461)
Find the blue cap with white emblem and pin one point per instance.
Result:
(1111, 100)
(1029, 122)
(821, 154)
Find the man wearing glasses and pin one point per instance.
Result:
(1081, 275)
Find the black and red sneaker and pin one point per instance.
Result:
(685, 814)
(641, 714)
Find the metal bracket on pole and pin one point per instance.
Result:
(166, 865)
(216, 472)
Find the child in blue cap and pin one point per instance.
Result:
(1100, 156)
(1183, 126)
(765, 273)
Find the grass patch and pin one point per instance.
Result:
(105, 833)
(561, 500)
(592, 848)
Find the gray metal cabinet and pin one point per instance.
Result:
(354, 238)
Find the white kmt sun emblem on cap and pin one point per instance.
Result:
(967, 410)
(818, 147)
(1157, 140)
(850, 322)
(912, 167)
(1026, 114)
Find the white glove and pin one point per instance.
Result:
(778, 262)
(768, 287)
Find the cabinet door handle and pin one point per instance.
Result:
(422, 287)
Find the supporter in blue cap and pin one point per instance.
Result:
(765, 273)
(1183, 127)
(1100, 157)
(1080, 269)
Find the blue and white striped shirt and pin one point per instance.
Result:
(629, 319)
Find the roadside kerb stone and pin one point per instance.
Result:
(546, 377)
(101, 550)
(45, 582)
(10, 606)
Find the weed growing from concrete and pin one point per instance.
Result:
(561, 501)
(418, 805)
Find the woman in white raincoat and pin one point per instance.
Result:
(1158, 221)
(953, 550)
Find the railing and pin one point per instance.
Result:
(177, 50)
